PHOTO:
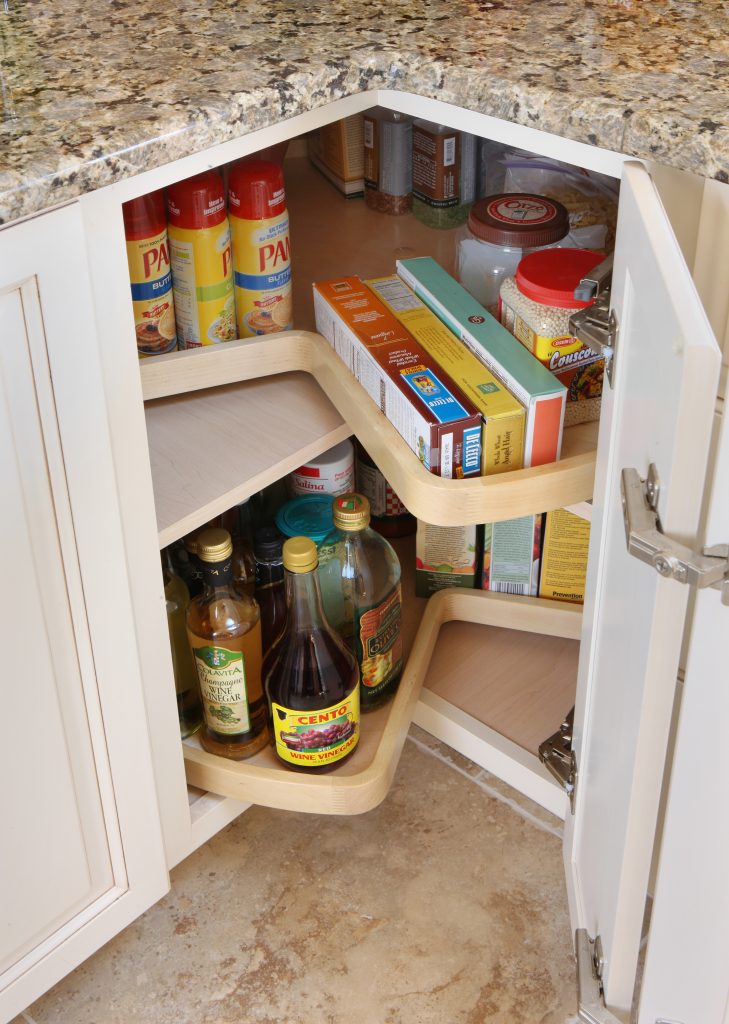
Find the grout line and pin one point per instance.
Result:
(490, 790)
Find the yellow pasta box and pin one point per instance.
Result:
(564, 556)
(502, 443)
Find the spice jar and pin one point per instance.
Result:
(536, 304)
(444, 174)
(501, 230)
(388, 161)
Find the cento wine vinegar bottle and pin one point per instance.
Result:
(313, 684)
(224, 633)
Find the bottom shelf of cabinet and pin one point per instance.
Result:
(490, 674)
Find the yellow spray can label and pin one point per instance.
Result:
(151, 281)
(202, 274)
(262, 266)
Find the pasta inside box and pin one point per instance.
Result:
(564, 556)
(445, 556)
(511, 556)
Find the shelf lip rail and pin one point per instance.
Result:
(431, 498)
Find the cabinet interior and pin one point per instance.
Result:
(508, 688)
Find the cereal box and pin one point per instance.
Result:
(437, 421)
(541, 394)
(511, 556)
(564, 556)
(502, 440)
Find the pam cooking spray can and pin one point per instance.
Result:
(202, 262)
(148, 255)
(259, 225)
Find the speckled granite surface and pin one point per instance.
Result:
(96, 91)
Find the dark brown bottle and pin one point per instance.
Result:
(224, 633)
(270, 586)
(313, 684)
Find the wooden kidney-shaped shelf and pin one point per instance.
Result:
(431, 498)
(363, 781)
(222, 426)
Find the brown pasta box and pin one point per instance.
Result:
(428, 410)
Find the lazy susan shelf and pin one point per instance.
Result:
(363, 782)
(225, 367)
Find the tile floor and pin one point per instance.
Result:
(446, 904)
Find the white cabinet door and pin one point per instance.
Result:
(80, 846)
(660, 412)
(686, 974)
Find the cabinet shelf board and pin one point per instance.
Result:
(211, 449)
(431, 498)
(363, 782)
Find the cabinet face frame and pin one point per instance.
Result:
(45, 261)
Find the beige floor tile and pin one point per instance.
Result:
(446, 904)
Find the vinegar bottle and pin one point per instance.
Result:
(224, 633)
(177, 598)
(313, 684)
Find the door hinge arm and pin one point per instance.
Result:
(557, 755)
(591, 1007)
(596, 325)
(646, 541)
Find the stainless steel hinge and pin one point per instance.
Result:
(591, 1007)
(646, 541)
(557, 755)
(596, 325)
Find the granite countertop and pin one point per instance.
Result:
(93, 92)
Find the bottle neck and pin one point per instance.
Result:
(217, 575)
(303, 601)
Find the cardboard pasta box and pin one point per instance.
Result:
(437, 421)
(541, 394)
(564, 556)
(511, 552)
(502, 440)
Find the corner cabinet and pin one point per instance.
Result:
(127, 458)
(81, 843)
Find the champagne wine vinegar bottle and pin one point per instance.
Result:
(313, 684)
(224, 633)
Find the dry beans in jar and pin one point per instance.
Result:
(536, 304)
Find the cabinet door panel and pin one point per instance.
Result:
(660, 412)
(54, 847)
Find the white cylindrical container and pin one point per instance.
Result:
(330, 473)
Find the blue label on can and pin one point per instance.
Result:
(263, 282)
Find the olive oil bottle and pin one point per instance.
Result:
(224, 633)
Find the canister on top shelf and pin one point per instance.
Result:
(332, 472)
(501, 230)
(259, 225)
(388, 161)
(201, 258)
(148, 255)
(536, 304)
(444, 174)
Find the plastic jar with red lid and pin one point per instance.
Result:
(501, 230)
(536, 304)
(202, 261)
(259, 224)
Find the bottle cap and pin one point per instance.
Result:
(256, 190)
(267, 543)
(351, 512)
(300, 555)
(144, 217)
(214, 545)
(197, 202)
(518, 219)
(190, 543)
(551, 276)
(310, 515)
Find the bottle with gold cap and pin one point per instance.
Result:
(224, 633)
(367, 610)
(313, 683)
